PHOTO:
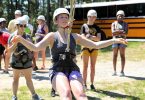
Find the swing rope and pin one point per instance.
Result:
(71, 19)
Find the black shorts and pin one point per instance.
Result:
(2, 48)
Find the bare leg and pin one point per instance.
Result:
(16, 75)
(77, 89)
(122, 55)
(115, 54)
(35, 58)
(28, 76)
(93, 59)
(34, 63)
(36, 55)
(6, 59)
(63, 88)
(85, 59)
(43, 58)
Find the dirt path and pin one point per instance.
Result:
(133, 71)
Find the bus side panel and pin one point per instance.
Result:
(136, 26)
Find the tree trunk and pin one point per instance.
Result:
(61, 3)
(48, 14)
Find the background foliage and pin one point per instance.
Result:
(33, 8)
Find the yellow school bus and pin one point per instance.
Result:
(106, 14)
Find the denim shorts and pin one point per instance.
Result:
(119, 45)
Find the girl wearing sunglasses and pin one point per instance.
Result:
(21, 60)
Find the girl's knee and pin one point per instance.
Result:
(115, 55)
(15, 81)
(92, 67)
(82, 96)
(122, 56)
(66, 93)
(29, 81)
(85, 67)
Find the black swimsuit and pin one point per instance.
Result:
(62, 60)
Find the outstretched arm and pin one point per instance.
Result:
(35, 47)
(101, 44)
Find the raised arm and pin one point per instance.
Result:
(101, 44)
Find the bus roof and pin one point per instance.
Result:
(99, 4)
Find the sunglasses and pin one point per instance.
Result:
(23, 26)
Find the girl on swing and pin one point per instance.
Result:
(65, 75)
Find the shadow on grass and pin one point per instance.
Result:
(137, 78)
(40, 78)
(117, 95)
(89, 98)
(93, 98)
(41, 71)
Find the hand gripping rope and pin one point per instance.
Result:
(71, 19)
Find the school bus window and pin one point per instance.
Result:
(100, 13)
(85, 13)
(111, 11)
(141, 9)
(106, 13)
(79, 14)
(93, 8)
(131, 10)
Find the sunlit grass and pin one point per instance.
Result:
(130, 90)
(134, 52)
(134, 90)
(24, 94)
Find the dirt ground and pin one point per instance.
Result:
(104, 70)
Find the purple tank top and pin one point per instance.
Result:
(40, 30)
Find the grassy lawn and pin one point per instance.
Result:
(132, 90)
(124, 91)
(135, 51)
